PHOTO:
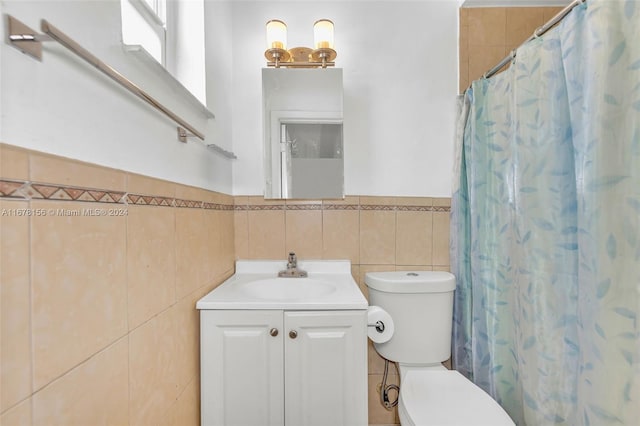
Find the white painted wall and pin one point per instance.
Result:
(66, 107)
(399, 60)
(400, 79)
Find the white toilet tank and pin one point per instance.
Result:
(421, 305)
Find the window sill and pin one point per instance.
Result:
(144, 56)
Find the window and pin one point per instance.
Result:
(144, 24)
(172, 32)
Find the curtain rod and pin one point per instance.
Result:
(537, 33)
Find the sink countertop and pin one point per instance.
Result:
(233, 294)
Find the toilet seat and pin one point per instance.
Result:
(446, 398)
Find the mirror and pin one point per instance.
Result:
(303, 137)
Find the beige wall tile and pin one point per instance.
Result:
(483, 58)
(220, 230)
(186, 192)
(444, 268)
(191, 251)
(487, 26)
(144, 185)
(413, 201)
(464, 82)
(378, 414)
(370, 268)
(348, 199)
(413, 237)
(79, 268)
(355, 272)
(266, 234)
(95, 392)
(52, 169)
(241, 234)
(377, 201)
(414, 268)
(464, 16)
(521, 23)
(186, 410)
(304, 233)
(550, 12)
(151, 262)
(441, 238)
(213, 229)
(240, 200)
(15, 303)
(297, 202)
(491, 33)
(186, 322)
(14, 162)
(341, 235)
(228, 242)
(377, 237)
(258, 200)
(442, 202)
(153, 364)
(463, 57)
(18, 415)
(79, 293)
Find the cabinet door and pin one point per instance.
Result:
(241, 368)
(326, 368)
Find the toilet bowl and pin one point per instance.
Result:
(421, 306)
(446, 398)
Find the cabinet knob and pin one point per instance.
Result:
(293, 334)
(273, 332)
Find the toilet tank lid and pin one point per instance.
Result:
(411, 281)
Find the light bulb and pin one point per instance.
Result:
(276, 34)
(323, 34)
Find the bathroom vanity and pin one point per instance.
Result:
(284, 351)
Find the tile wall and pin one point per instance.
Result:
(488, 34)
(100, 271)
(375, 233)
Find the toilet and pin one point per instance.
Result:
(421, 306)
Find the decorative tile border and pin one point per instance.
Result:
(316, 206)
(142, 200)
(340, 207)
(355, 207)
(11, 189)
(24, 190)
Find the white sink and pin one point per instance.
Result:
(256, 285)
(288, 288)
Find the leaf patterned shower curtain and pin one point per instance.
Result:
(545, 236)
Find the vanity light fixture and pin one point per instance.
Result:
(322, 55)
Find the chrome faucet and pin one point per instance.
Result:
(292, 270)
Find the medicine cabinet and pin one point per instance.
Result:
(303, 133)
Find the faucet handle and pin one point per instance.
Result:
(292, 261)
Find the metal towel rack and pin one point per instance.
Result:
(29, 41)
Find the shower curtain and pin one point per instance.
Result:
(545, 235)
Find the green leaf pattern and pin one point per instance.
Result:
(545, 225)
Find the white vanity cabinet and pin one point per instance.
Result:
(283, 367)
